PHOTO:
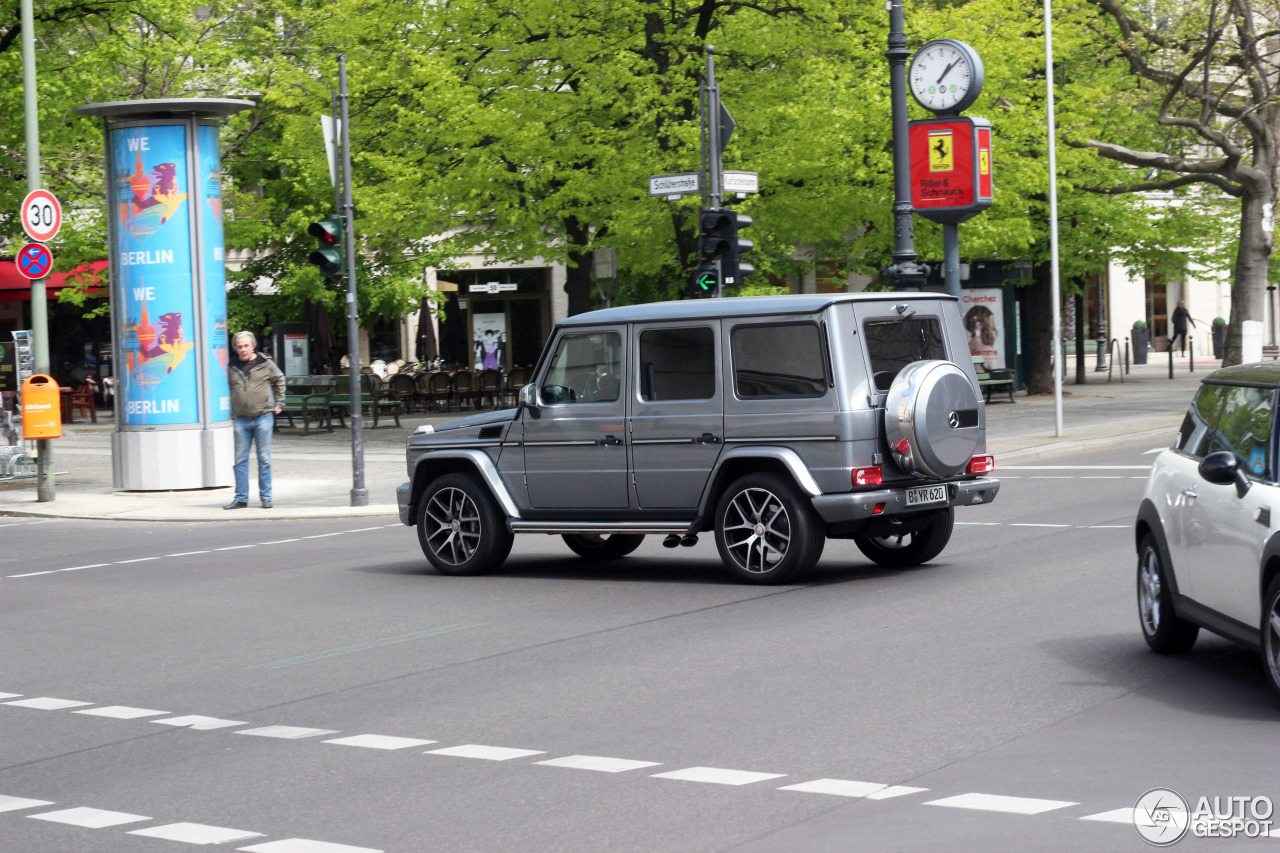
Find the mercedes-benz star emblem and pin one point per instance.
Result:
(953, 420)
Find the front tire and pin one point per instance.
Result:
(766, 530)
(460, 527)
(900, 545)
(598, 547)
(1163, 630)
(1271, 635)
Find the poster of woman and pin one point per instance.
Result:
(489, 332)
(983, 310)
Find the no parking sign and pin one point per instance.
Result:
(34, 261)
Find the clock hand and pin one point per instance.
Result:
(947, 70)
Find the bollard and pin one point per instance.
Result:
(1171, 360)
(1126, 355)
(1191, 351)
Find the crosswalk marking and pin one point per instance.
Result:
(305, 845)
(199, 723)
(47, 703)
(487, 753)
(895, 791)
(286, 732)
(13, 804)
(836, 787)
(121, 712)
(89, 818)
(1113, 816)
(196, 833)
(717, 776)
(997, 803)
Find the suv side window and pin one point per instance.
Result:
(778, 360)
(893, 344)
(1197, 430)
(585, 369)
(677, 364)
(1245, 428)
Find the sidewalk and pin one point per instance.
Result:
(314, 473)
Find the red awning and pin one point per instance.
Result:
(15, 288)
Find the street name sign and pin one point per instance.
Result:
(741, 182)
(677, 184)
(41, 215)
(492, 287)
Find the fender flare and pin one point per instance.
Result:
(788, 457)
(477, 459)
(1149, 517)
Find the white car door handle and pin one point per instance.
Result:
(1190, 494)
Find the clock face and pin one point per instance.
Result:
(945, 76)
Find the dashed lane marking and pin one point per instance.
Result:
(1076, 467)
(1113, 816)
(303, 845)
(9, 695)
(121, 712)
(996, 803)
(895, 791)
(598, 763)
(196, 833)
(1039, 524)
(89, 818)
(1032, 524)
(836, 787)
(286, 732)
(193, 553)
(13, 804)
(199, 723)
(487, 753)
(380, 741)
(717, 776)
(47, 703)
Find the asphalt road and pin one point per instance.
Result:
(543, 707)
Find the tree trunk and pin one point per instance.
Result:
(577, 274)
(1038, 331)
(1081, 361)
(1249, 285)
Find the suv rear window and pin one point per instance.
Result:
(893, 344)
(778, 360)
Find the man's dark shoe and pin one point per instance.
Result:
(236, 505)
(266, 504)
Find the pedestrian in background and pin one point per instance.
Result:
(1180, 317)
(257, 396)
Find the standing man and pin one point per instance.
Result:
(257, 396)
(1180, 317)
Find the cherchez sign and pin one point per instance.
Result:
(950, 168)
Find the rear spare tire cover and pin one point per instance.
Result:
(932, 420)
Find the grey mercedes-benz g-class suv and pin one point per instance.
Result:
(774, 422)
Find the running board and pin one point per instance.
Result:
(676, 527)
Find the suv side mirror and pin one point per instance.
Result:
(528, 399)
(1223, 468)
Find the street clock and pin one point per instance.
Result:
(945, 76)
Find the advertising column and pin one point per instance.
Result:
(168, 293)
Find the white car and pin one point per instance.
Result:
(1207, 531)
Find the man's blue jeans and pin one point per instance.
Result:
(258, 431)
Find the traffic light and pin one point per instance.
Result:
(704, 282)
(720, 247)
(328, 255)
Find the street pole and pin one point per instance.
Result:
(45, 485)
(359, 494)
(1053, 223)
(715, 162)
(1102, 328)
(951, 257)
(905, 273)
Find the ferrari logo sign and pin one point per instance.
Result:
(941, 151)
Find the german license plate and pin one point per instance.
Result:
(926, 495)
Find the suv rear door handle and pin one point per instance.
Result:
(707, 438)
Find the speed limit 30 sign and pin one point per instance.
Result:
(41, 215)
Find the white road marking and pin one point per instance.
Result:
(1154, 450)
(599, 763)
(380, 741)
(895, 791)
(1029, 524)
(1051, 477)
(287, 732)
(121, 712)
(90, 566)
(717, 776)
(236, 547)
(1103, 477)
(29, 523)
(304, 845)
(47, 703)
(836, 787)
(196, 833)
(186, 553)
(12, 804)
(9, 695)
(89, 818)
(997, 803)
(135, 560)
(1113, 816)
(199, 723)
(1109, 527)
(279, 541)
(1075, 467)
(323, 535)
(488, 753)
(32, 574)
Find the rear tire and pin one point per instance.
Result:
(597, 546)
(1271, 635)
(766, 530)
(909, 547)
(460, 527)
(1164, 632)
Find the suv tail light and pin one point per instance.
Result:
(981, 464)
(867, 476)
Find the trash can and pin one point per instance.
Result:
(41, 407)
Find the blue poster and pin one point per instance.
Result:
(157, 382)
(215, 273)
